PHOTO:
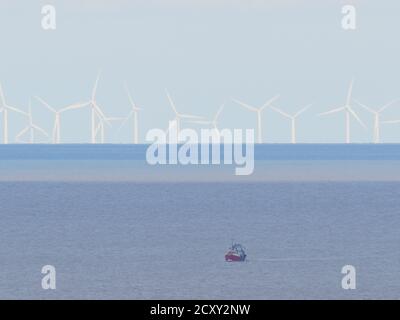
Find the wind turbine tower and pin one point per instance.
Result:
(134, 113)
(292, 119)
(377, 118)
(349, 112)
(31, 128)
(214, 121)
(97, 115)
(5, 108)
(258, 111)
(179, 116)
(57, 116)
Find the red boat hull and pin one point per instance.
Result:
(232, 257)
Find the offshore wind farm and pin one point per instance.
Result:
(78, 102)
(98, 119)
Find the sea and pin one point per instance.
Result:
(115, 227)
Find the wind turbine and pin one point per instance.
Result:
(258, 111)
(30, 128)
(5, 108)
(348, 111)
(178, 116)
(377, 116)
(100, 126)
(57, 116)
(134, 113)
(292, 119)
(214, 121)
(96, 112)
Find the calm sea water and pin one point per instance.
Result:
(130, 239)
(262, 152)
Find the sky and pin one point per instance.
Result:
(205, 53)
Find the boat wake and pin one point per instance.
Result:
(315, 259)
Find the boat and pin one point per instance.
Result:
(235, 253)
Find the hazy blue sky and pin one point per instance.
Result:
(204, 52)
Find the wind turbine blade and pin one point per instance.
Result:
(104, 120)
(388, 105)
(101, 114)
(219, 112)
(74, 106)
(171, 102)
(349, 93)
(21, 133)
(97, 128)
(391, 121)
(17, 110)
(188, 116)
(40, 130)
(95, 85)
(133, 105)
(125, 121)
(269, 102)
(365, 107)
(170, 126)
(245, 105)
(331, 111)
(45, 104)
(356, 117)
(281, 112)
(3, 100)
(303, 110)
